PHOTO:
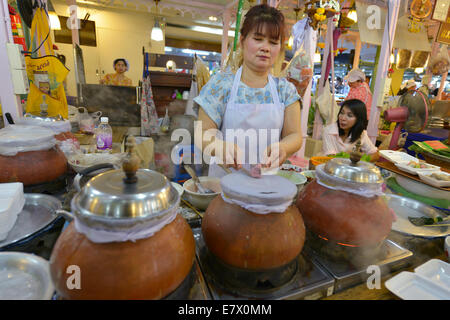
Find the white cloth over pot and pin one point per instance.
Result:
(141, 230)
(56, 126)
(20, 138)
(268, 194)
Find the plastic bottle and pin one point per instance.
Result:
(165, 122)
(103, 136)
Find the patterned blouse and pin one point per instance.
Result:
(362, 93)
(215, 94)
(112, 79)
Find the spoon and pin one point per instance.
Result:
(427, 221)
(201, 189)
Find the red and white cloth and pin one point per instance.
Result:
(362, 92)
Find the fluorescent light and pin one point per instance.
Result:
(157, 34)
(54, 21)
(211, 30)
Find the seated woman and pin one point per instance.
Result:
(118, 79)
(351, 126)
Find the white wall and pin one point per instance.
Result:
(120, 34)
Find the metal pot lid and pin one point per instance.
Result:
(361, 172)
(107, 195)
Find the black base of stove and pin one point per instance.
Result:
(309, 281)
(250, 282)
(56, 187)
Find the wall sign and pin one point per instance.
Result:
(441, 10)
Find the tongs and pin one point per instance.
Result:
(430, 222)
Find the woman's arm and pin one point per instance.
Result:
(291, 138)
(228, 153)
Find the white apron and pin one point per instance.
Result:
(266, 120)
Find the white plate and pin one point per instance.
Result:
(90, 159)
(421, 188)
(426, 176)
(406, 207)
(24, 276)
(412, 286)
(397, 156)
(404, 167)
(435, 270)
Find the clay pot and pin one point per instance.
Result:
(248, 240)
(33, 167)
(344, 217)
(149, 268)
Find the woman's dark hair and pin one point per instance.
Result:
(263, 15)
(358, 108)
(120, 59)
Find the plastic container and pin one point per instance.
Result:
(103, 136)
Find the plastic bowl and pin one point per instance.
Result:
(201, 200)
(81, 161)
(295, 177)
(315, 161)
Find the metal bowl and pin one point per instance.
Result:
(24, 276)
(362, 172)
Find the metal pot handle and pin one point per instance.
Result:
(65, 214)
(76, 180)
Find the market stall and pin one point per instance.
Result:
(141, 219)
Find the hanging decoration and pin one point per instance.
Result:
(318, 13)
(420, 9)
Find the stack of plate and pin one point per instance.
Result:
(12, 200)
(430, 281)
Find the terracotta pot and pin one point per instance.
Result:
(344, 217)
(65, 136)
(247, 240)
(33, 167)
(149, 268)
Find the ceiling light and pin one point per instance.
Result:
(54, 21)
(212, 18)
(211, 30)
(418, 70)
(157, 34)
(392, 59)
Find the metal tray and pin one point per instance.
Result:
(38, 213)
(406, 207)
(24, 276)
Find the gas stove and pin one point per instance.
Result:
(392, 257)
(309, 280)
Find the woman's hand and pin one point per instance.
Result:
(228, 154)
(274, 156)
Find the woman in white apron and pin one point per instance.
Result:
(258, 116)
